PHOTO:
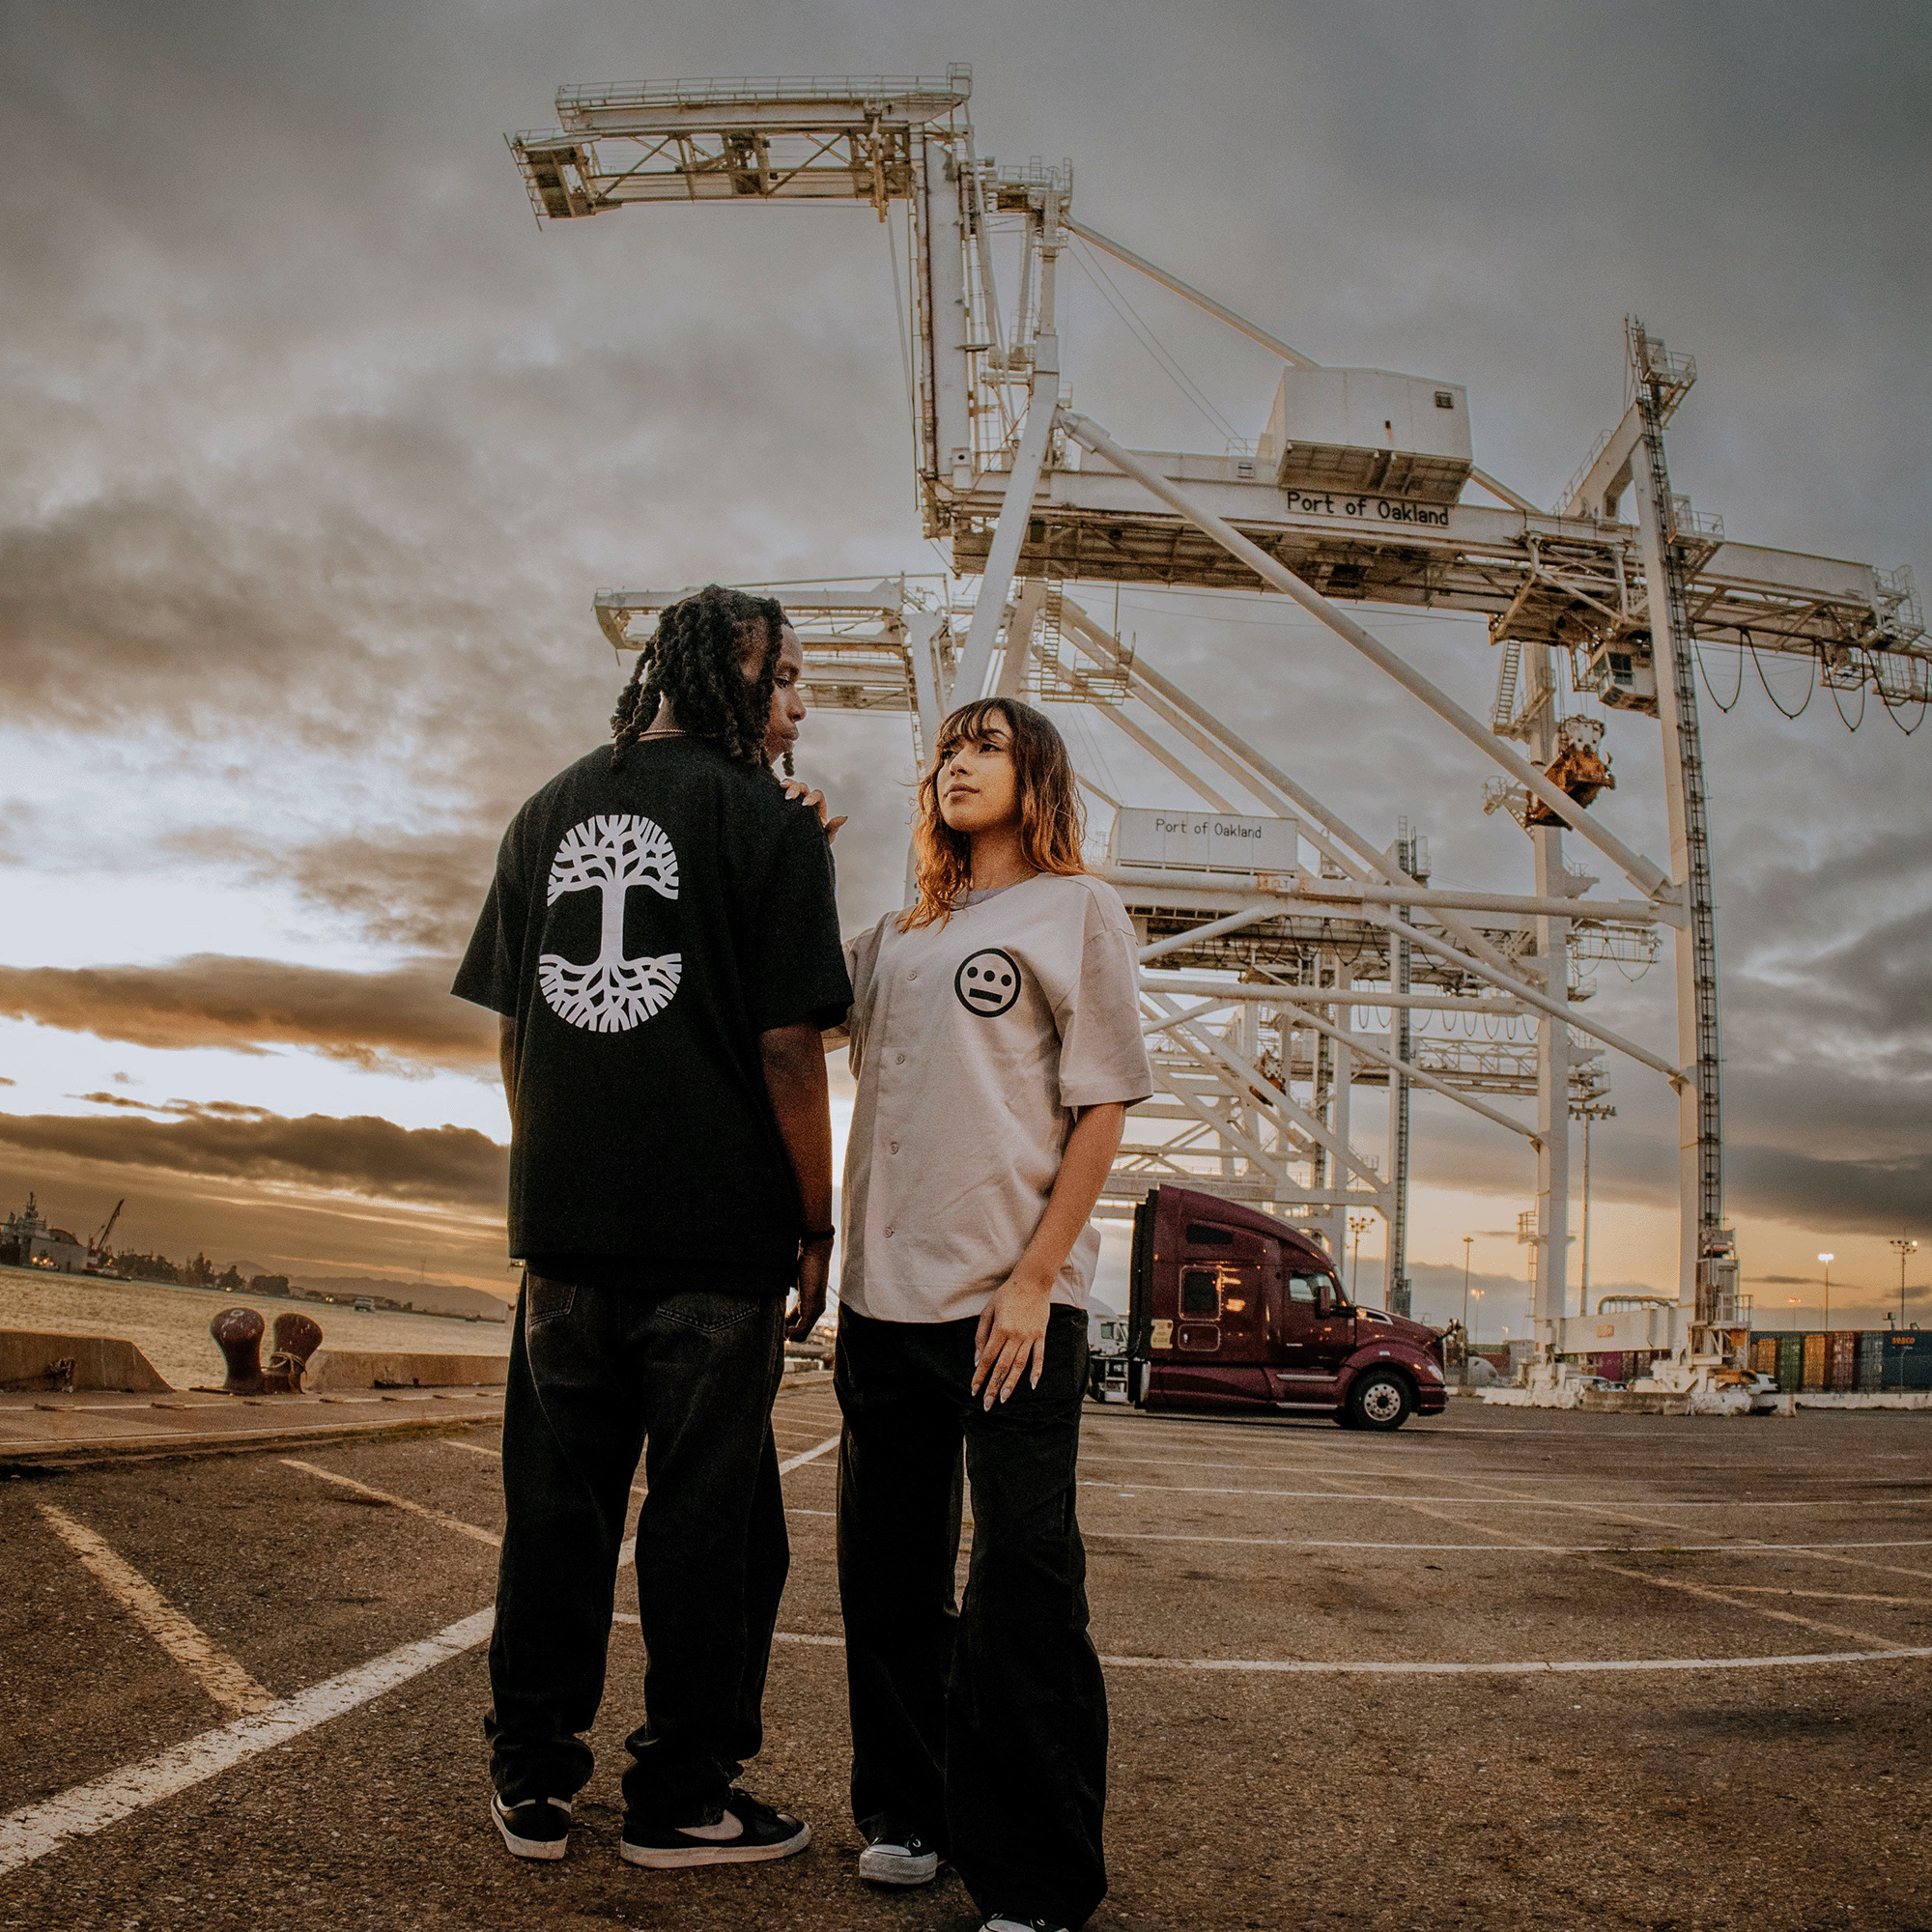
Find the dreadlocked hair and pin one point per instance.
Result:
(695, 661)
(1052, 821)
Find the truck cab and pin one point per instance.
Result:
(1232, 1309)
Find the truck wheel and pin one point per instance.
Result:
(1379, 1401)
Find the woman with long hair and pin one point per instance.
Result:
(996, 1039)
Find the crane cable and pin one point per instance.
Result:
(1131, 320)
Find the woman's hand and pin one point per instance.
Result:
(1012, 1325)
(1012, 1335)
(799, 789)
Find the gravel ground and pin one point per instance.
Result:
(1785, 1796)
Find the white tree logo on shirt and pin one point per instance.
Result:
(610, 853)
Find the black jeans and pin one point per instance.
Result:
(983, 1724)
(596, 1375)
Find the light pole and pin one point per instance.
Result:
(1905, 1248)
(1478, 1293)
(1827, 1260)
(1589, 1112)
(1468, 1240)
(1357, 1226)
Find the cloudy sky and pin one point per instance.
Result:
(314, 448)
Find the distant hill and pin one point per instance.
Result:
(439, 1297)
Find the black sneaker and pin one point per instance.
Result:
(539, 1828)
(896, 1854)
(745, 1832)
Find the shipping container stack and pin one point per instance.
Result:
(1908, 1360)
(1791, 1363)
(1871, 1358)
(1844, 1360)
(1622, 1366)
(1841, 1360)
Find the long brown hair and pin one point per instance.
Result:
(1052, 819)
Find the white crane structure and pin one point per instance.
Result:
(1288, 958)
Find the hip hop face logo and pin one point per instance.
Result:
(608, 855)
(987, 983)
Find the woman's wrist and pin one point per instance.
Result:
(1033, 1281)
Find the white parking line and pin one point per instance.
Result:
(811, 1456)
(1488, 1502)
(1834, 1596)
(1310, 1425)
(1865, 1562)
(36, 1830)
(1529, 1667)
(777, 1637)
(785, 1468)
(462, 1529)
(1399, 1668)
(1091, 1534)
(1504, 1540)
(210, 1666)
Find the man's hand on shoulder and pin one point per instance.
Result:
(798, 788)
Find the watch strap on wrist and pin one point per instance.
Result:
(813, 1238)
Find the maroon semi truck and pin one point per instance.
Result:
(1233, 1310)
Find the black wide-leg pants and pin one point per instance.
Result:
(599, 1375)
(983, 1723)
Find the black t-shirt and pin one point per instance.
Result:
(647, 923)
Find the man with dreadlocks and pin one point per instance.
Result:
(662, 946)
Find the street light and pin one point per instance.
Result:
(1468, 1240)
(1478, 1293)
(1358, 1225)
(1589, 1112)
(1905, 1247)
(1827, 1260)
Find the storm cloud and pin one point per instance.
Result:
(248, 1005)
(369, 1157)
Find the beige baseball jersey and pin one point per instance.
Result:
(973, 1044)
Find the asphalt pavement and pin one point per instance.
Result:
(1505, 1668)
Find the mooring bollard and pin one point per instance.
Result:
(238, 1334)
(297, 1339)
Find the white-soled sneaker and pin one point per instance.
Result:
(1002, 1921)
(539, 1828)
(745, 1832)
(896, 1854)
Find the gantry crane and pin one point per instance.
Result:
(1269, 925)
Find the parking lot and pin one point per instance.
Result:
(1507, 1667)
